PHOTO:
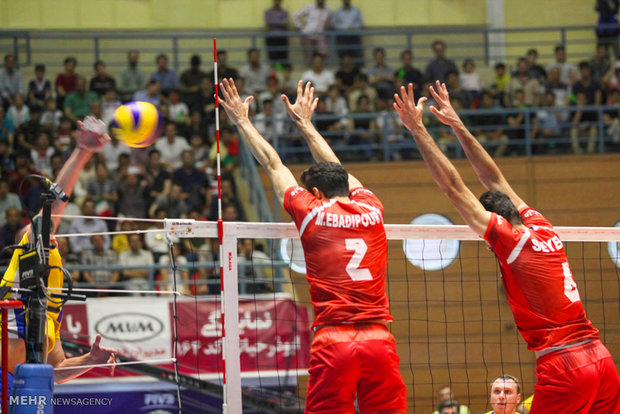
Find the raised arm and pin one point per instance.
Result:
(441, 169)
(487, 171)
(91, 138)
(237, 111)
(301, 114)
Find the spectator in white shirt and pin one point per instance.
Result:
(470, 81)
(179, 112)
(18, 112)
(337, 105)
(171, 146)
(42, 153)
(87, 225)
(136, 279)
(321, 78)
(255, 73)
(264, 122)
(568, 71)
(313, 20)
(345, 19)
(11, 80)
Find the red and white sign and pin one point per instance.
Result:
(274, 332)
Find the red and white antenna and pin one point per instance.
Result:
(220, 222)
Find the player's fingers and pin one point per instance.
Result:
(434, 93)
(80, 125)
(421, 102)
(248, 100)
(411, 101)
(299, 89)
(434, 110)
(444, 89)
(398, 100)
(112, 360)
(311, 95)
(307, 98)
(97, 340)
(224, 89)
(315, 103)
(285, 100)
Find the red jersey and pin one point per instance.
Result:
(540, 288)
(345, 249)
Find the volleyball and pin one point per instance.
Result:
(137, 124)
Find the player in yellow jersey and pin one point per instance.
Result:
(91, 138)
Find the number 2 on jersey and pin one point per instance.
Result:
(570, 287)
(359, 251)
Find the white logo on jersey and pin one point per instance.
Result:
(361, 190)
(296, 191)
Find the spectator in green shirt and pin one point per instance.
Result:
(77, 103)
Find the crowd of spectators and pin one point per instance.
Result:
(174, 177)
(171, 179)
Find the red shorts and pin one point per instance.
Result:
(355, 359)
(580, 379)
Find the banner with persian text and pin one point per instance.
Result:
(274, 331)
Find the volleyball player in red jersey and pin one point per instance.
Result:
(340, 224)
(575, 372)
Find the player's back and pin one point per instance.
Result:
(345, 249)
(540, 288)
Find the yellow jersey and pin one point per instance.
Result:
(17, 324)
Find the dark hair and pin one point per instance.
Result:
(97, 63)
(252, 50)
(499, 203)
(195, 60)
(559, 48)
(507, 377)
(405, 52)
(161, 56)
(329, 177)
(584, 64)
(39, 66)
(500, 65)
(377, 50)
(71, 59)
(447, 404)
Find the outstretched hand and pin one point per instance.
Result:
(446, 112)
(305, 104)
(410, 112)
(91, 134)
(236, 109)
(101, 354)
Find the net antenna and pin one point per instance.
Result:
(220, 227)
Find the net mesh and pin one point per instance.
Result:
(452, 322)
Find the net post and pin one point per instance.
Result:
(230, 308)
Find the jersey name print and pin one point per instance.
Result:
(345, 248)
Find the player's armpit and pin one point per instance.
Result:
(282, 179)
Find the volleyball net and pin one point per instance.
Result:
(249, 348)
